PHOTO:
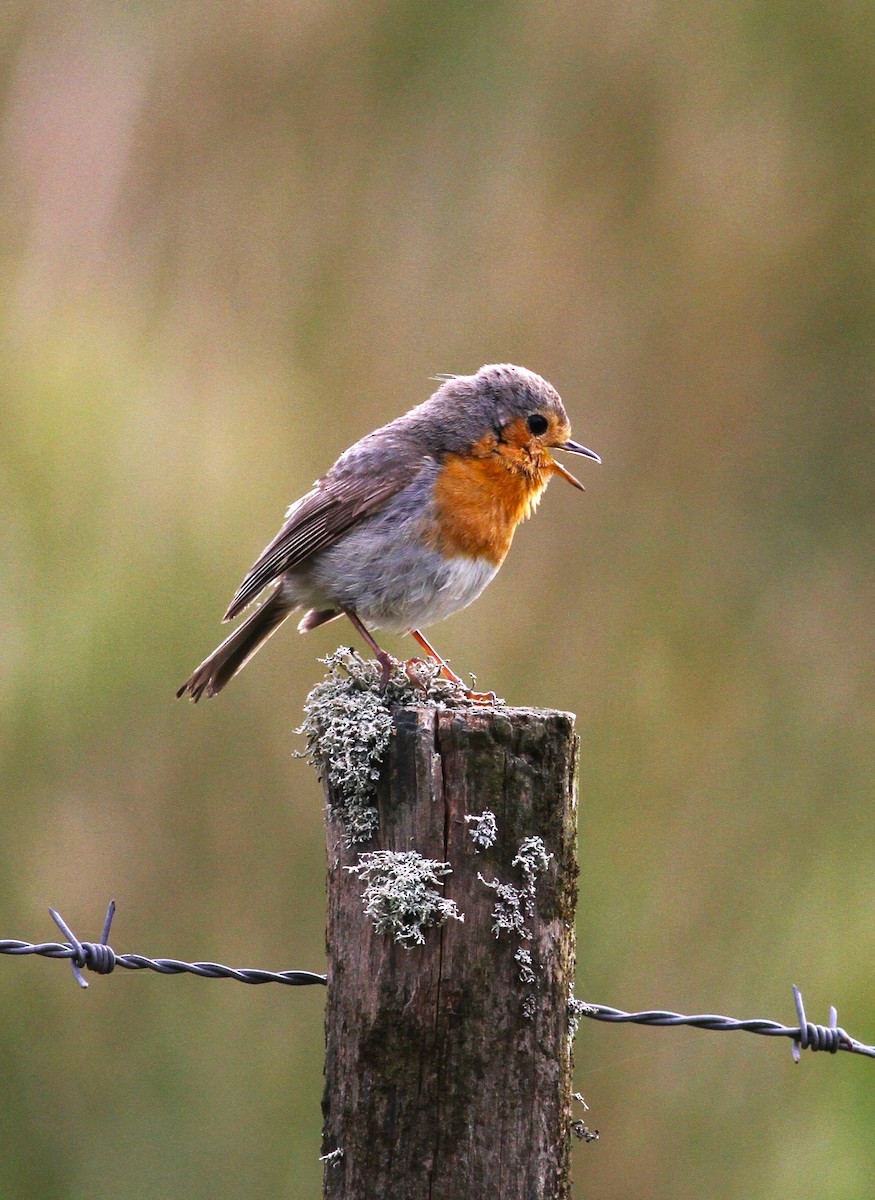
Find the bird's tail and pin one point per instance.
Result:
(235, 652)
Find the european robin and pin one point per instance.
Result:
(411, 523)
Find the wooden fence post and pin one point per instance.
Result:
(448, 1063)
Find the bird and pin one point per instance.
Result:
(410, 524)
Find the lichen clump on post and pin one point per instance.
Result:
(577, 1009)
(533, 858)
(483, 830)
(402, 895)
(348, 724)
(523, 959)
(513, 905)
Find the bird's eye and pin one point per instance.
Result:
(537, 424)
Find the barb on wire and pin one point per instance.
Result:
(101, 958)
(806, 1035)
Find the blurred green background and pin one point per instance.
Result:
(236, 237)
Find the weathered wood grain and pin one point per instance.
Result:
(448, 1077)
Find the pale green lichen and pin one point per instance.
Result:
(579, 1128)
(507, 913)
(514, 905)
(483, 830)
(533, 858)
(513, 908)
(348, 725)
(577, 1009)
(523, 959)
(402, 896)
(332, 1158)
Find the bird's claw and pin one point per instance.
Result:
(386, 664)
(413, 675)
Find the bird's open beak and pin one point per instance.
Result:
(573, 448)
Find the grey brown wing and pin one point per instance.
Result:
(313, 523)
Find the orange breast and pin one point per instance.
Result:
(480, 500)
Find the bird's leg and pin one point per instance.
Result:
(385, 660)
(446, 669)
(449, 673)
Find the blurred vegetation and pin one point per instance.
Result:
(235, 237)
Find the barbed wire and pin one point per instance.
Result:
(806, 1035)
(100, 958)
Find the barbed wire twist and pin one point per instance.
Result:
(806, 1035)
(100, 958)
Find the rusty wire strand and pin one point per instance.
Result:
(101, 958)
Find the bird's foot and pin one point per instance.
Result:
(410, 670)
(448, 673)
(387, 662)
